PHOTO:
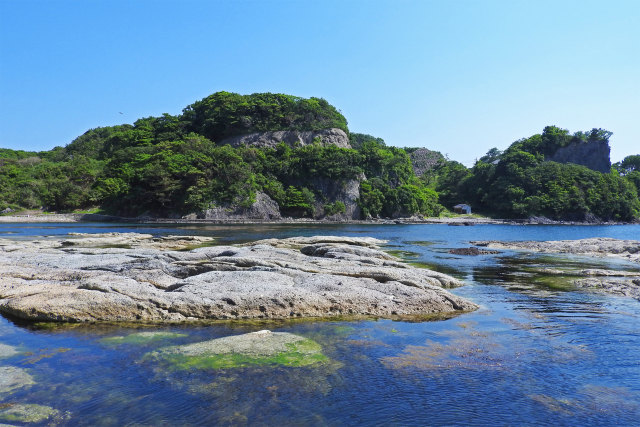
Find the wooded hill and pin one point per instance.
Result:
(171, 166)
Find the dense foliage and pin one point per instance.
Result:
(171, 165)
(519, 183)
(225, 114)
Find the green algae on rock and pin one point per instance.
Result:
(27, 413)
(141, 337)
(12, 378)
(255, 348)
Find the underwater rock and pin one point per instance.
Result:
(614, 282)
(255, 348)
(134, 277)
(12, 378)
(27, 413)
(142, 337)
(7, 351)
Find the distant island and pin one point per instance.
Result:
(267, 156)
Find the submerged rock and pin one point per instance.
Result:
(615, 282)
(27, 413)
(7, 351)
(142, 280)
(142, 337)
(12, 378)
(255, 348)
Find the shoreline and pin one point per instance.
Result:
(454, 221)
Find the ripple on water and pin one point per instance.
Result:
(534, 354)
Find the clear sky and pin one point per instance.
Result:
(455, 76)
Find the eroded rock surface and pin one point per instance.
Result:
(264, 208)
(616, 282)
(135, 277)
(599, 246)
(292, 138)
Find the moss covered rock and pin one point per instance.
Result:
(27, 413)
(255, 348)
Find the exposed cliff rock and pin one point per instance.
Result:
(263, 208)
(346, 192)
(331, 136)
(424, 160)
(593, 154)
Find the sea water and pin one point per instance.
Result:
(533, 354)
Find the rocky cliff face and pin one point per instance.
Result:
(424, 160)
(264, 208)
(594, 155)
(346, 192)
(271, 139)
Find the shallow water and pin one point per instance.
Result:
(533, 354)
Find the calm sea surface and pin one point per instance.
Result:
(533, 354)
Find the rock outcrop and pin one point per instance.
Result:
(136, 277)
(615, 282)
(423, 160)
(264, 208)
(599, 247)
(346, 192)
(292, 138)
(594, 154)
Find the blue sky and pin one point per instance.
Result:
(455, 76)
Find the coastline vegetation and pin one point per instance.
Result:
(174, 165)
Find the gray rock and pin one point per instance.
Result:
(616, 285)
(623, 283)
(331, 136)
(594, 155)
(346, 192)
(264, 208)
(597, 247)
(423, 160)
(321, 276)
(12, 378)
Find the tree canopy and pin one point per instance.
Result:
(173, 165)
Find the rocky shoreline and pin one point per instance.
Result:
(457, 220)
(595, 247)
(138, 278)
(615, 282)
